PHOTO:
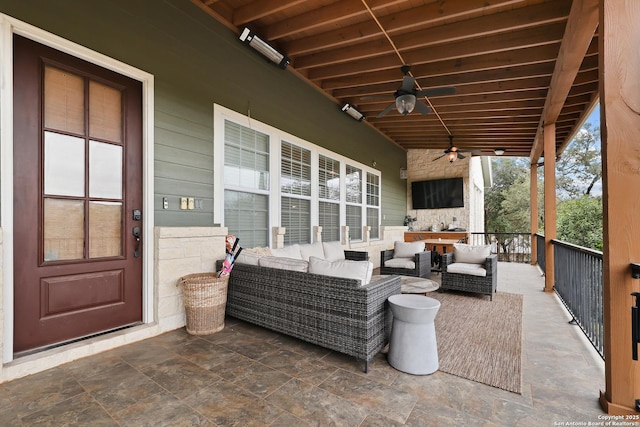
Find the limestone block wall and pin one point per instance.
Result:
(421, 167)
(180, 251)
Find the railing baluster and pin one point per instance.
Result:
(579, 284)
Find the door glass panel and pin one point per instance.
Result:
(105, 170)
(63, 229)
(105, 229)
(105, 112)
(63, 165)
(63, 101)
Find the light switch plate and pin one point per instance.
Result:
(191, 203)
(183, 203)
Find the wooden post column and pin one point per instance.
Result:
(619, 68)
(533, 191)
(549, 203)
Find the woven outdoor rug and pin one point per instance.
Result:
(481, 340)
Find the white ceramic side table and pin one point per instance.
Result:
(413, 348)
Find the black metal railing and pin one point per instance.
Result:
(510, 247)
(540, 253)
(578, 281)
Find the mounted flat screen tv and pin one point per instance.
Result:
(438, 194)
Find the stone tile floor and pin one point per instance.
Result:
(248, 376)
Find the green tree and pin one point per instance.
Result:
(579, 221)
(579, 168)
(502, 201)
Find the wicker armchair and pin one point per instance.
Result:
(469, 283)
(422, 264)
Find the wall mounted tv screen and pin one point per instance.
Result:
(438, 194)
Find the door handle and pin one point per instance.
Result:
(136, 233)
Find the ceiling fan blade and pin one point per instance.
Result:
(407, 84)
(460, 156)
(422, 107)
(439, 157)
(386, 110)
(437, 91)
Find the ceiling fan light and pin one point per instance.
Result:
(452, 156)
(405, 103)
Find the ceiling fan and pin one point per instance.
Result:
(406, 96)
(453, 153)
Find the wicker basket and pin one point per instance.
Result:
(205, 298)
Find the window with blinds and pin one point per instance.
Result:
(247, 216)
(246, 180)
(295, 185)
(354, 184)
(296, 217)
(354, 221)
(313, 186)
(373, 205)
(354, 201)
(329, 194)
(246, 157)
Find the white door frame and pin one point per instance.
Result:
(8, 27)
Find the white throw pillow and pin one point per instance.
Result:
(311, 249)
(471, 254)
(248, 258)
(360, 270)
(292, 251)
(407, 249)
(465, 268)
(284, 263)
(333, 251)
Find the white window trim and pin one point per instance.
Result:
(276, 136)
(8, 27)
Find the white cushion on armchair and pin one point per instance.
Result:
(408, 263)
(466, 268)
(470, 254)
(407, 249)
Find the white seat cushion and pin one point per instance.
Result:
(284, 263)
(401, 263)
(467, 268)
(333, 251)
(311, 249)
(292, 251)
(407, 249)
(471, 254)
(360, 270)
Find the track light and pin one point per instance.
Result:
(350, 110)
(499, 151)
(405, 103)
(264, 48)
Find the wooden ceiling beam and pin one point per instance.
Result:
(498, 61)
(392, 22)
(483, 46)
(499, 24)
(581, 26)
(261, 8)
(325, 16)
(495, 75)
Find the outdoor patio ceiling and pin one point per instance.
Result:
(516, 64)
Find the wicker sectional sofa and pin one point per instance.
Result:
(337, 313)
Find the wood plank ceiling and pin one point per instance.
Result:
(500, 55)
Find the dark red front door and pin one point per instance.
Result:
(77, 182)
